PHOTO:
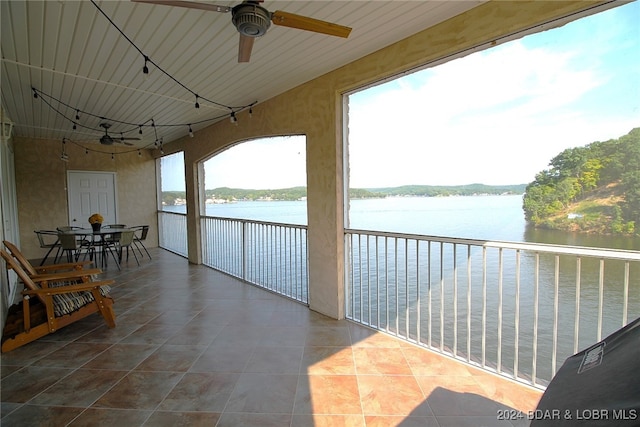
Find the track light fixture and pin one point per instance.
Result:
(233, 118)
(197, 103)
(190, 131)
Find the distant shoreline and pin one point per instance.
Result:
(228, 195)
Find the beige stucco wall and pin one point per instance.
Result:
(41, 187)
(314, 109)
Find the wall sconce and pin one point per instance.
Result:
(7, 128)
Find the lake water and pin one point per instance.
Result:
(472, 217)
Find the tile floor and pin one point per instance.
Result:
(194, 347)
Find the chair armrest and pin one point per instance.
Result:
(70, 288)
(66, 266)
(71, 274)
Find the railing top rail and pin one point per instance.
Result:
(253, 221)
(172, 213)
(619, 254)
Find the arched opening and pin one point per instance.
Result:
(254, 214)
(260, 179)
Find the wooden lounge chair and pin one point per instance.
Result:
(35, 272)
(53, 303)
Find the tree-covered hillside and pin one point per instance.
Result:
(450, 190)
(595, 188)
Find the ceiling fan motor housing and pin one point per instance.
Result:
(106, 140)
(251, 19)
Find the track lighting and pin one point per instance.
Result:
(140, 130)
(190, 131)
(139, 153)
(233, 118)
(74, 126)
(197, 104)
(145, 69)
(77, 114)
(250, 112)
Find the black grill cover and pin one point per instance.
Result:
(599, 386)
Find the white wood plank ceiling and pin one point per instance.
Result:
(68, 50)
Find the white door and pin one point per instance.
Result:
(89, 193)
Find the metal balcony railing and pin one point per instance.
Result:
(172, 232)
(272, 256)
(517, 309)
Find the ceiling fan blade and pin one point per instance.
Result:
(300, 22)
(244, 48)
(188, 4)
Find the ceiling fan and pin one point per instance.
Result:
(107, 139)
(252, 20)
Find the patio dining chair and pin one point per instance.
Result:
(80, 237)
(74, 248)
(139, 237)
(48, 239)
(124, 240)
(53, 303)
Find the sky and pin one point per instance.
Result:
(495, 117)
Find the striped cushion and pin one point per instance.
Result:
(72, 301)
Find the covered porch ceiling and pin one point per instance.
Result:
(85, 71)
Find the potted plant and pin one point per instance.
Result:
(96, 221)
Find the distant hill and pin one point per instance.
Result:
(226, 194)
(450, 190)
(591, 189)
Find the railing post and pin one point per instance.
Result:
(245, 250)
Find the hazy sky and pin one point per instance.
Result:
(494, 117)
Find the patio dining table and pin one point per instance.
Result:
(98, 239)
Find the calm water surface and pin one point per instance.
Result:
(472, 217)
